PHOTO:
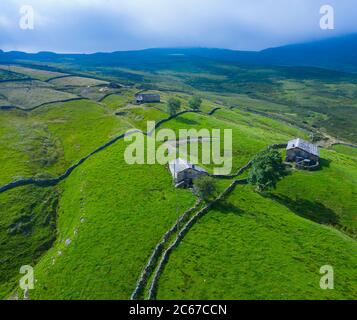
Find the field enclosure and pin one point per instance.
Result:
(90, 234)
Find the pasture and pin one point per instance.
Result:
(77, 82)
(90, 236)
(33, 73)
(30, 94)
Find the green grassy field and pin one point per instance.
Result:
(39, 74)
(30, 95)
(326, 196)
(238, 232)
(49, 140)
(250, 247)
(14, 161)
(346, 150)
(250, 133)
(115, 101)
(90, 236)
(76, 82)
(124, 210)
(28, 218)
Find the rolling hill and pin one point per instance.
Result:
(311, 84)
(88, 222)
(337, 53)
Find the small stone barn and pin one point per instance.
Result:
(147, 98)
(183, 172)
(302, 152)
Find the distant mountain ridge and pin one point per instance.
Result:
(334, 53)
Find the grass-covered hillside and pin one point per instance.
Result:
(308, 95)
(250, 247)
(91, 234)
(52, 138)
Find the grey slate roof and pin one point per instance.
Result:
(178, 165)
(304, 145)
(148, 96)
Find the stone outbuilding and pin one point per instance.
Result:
(183, 172)
(303, 153)
(147, 98)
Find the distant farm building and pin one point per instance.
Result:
(183, 172)
(303, 153)
(147, 98)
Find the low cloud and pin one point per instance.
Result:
(109, 25)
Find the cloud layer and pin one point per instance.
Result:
(109, 25)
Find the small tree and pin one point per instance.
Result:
(173, 106)
(267, 170)
(195, 103)
(206, 187)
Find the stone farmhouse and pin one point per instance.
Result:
(303, 153)
(147, 98)
(183, 172)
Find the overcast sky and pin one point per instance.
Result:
(109, 25)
